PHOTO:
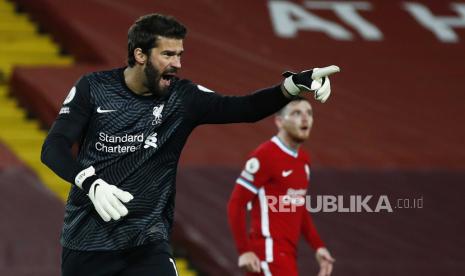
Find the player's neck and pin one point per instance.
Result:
(133, 81)
(288, 141)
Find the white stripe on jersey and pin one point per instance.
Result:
(249, 186)
(266, 269)
(265, 223)
(248, 176)
(264, 212)
(269, 249)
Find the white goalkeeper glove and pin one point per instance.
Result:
(315, 80)
(107, 199)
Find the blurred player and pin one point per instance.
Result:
(131, 124)
(274, 183)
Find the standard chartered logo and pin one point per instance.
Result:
(124, 143)
(151, 141)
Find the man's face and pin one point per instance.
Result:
(163, 64)
(296, 120)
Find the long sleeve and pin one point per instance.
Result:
(237, 212)
(212, 108)
(309, 231)
(256, 174)
(67, 129)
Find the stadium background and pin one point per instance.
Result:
(394, 126)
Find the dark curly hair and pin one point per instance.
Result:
(145, 31)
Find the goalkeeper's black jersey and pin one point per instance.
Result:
(135, 142)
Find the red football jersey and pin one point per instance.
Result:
(273, 184)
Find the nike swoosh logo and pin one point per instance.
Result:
(286, 173)
(100, 110)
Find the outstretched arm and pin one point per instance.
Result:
(213, 108)
(207, 107)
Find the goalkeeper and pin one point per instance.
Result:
(131, 124)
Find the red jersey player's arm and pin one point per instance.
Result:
(254, 175)
(309, 231)
(237, 209)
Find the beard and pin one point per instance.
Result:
(153, 76)
(297, 136)
(297, 139)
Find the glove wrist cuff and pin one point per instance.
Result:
(290, 86)
(88, 183)
(84, 177)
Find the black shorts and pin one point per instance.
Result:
(150, 259)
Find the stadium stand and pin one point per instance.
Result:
(22, 45)
(30, 216)
(394, 125)
(29, 212)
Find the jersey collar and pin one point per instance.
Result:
(283, 147)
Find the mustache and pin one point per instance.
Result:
(171, 70)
